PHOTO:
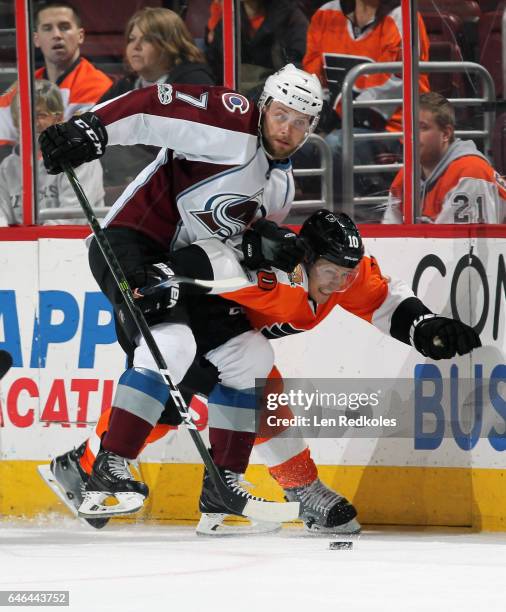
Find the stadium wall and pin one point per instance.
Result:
(59, 328)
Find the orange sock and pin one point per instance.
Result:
(298, 471)
(88, 458)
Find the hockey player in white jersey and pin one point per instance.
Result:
(223, 166)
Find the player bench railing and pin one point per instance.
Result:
(324, 171)
(52, 214)
(349, 169)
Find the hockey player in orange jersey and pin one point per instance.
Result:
(336, 274)
(458, 183)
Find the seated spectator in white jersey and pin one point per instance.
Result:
(59, 35)
(159, 49)
(52, 191)
(458, 183)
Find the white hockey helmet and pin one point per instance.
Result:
(296, 89)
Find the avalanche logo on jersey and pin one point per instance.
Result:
(227, 214)
(235, 102)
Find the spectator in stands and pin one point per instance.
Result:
(59, 35)
(371, 29)
(159, 49)
(54, 191)
(458, 183)
(273, 33)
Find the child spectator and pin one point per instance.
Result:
(53, 191)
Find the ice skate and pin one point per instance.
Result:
(67, 479)
(324, 511)
(214, 512)
(111, 478)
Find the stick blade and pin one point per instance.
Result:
(5, 363)
(273, 512)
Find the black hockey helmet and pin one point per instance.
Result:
(334, 237)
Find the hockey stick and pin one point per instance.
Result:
(235, 282)
(234, 502)
(5, 363)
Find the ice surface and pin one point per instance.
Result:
(147, 568)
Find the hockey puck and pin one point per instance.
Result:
(340, 545)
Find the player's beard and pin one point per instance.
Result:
(269, 151)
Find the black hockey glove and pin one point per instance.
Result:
(154, 288)
(267, 244)
(442, 338)
(81, 139)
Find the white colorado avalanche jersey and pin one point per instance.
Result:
(211, 178)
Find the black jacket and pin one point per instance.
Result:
(281, 39)
(188, 73)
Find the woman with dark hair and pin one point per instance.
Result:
(160, 49)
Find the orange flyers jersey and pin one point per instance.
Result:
(81, 88)
(278, 304)
(469, 190)
(330, 31)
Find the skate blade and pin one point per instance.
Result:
(352, 527)
(212, 525)
(92, 506)
(48, 477)
(53, 484)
